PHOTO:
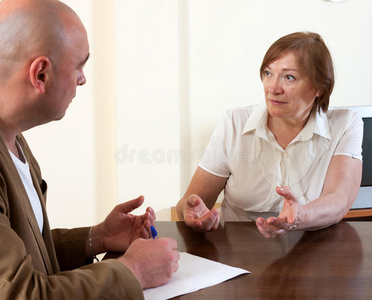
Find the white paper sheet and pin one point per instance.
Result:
(194, 273)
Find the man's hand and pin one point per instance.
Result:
(153, 262)
(120, 228)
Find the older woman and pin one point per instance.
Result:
(291, 164)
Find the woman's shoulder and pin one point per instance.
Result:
(340, 112)
(239, 114)
(346, 115)
(344, 119)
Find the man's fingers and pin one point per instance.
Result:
(129, 206)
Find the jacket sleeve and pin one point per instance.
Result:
(108, 279)
(70, 247)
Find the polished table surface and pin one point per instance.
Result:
(333, 263)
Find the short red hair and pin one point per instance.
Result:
(313, 58)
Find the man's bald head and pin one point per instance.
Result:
(43, 48)
(32, 28)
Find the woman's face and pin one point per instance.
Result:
(289, 95)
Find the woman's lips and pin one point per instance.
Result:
(276, 102)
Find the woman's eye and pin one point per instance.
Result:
(290, 78)
(267, 73)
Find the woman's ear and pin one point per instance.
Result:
(40, 73)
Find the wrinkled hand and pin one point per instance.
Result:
(153, 262)
(197, 215)
(120, 228)
(288, 219)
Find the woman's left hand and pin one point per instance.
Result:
(289, 218)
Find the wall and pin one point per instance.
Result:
(161, 74)
(148, 106)
(218, 49)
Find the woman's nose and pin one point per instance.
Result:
(275, 87)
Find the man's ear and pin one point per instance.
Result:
(40, 73)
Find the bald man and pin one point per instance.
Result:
(43, 48)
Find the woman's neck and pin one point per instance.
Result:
(285, 130)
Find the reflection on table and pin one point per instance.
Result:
(335, 262)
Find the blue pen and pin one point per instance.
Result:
(154, 233)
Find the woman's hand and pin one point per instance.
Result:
(197, 215)
(290, 217)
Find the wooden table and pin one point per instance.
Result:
(333, 263)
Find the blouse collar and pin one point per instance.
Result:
(318, 123)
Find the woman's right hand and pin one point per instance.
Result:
(197, 215)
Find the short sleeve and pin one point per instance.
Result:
(214, 159)
(350, 143)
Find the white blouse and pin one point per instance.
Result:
(244, 150)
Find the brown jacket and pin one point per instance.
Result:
(31, 262)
